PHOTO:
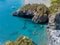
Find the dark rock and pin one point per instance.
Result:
(40, 19)
(57, 21)
(29, 14)
(57, 18)
(25, 14)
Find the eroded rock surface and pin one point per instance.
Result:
(37, 12)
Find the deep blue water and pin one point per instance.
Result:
(11, 27)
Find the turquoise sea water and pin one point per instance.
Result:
(11, 27)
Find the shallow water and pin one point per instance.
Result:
(11, 27)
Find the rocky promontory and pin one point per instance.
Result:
(37, 12)
(22, 40)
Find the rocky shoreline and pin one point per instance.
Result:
(41, 15)
(22, 40)
(53, 31)
(37, 12)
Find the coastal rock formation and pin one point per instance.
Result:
(10, 43)
(40, 19)
(41, 15)
(37, 12)
(54, 20)
(21, 41)
(25, 13)
(53, 29)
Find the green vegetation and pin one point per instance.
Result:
(55, 6)
(39, 9)
(21, 41)
(55, 1)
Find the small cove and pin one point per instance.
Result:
(12, 27)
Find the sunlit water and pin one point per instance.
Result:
(11, 27)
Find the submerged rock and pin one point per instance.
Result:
(37, 12)
(41, 15)
(21, 41)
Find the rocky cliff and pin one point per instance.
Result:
(53, 29)
(37, 12)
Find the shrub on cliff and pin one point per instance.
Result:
(37, 8)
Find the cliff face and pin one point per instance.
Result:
(53, 29)
(38, 12)
(54, 20)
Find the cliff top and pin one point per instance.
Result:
(39, 9)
